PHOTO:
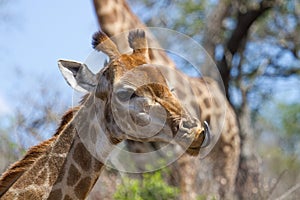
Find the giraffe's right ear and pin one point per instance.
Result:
(78, 75)
(138, 42)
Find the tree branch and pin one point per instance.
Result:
(244, 22)
(289, 192)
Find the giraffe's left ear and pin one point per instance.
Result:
(78, 75)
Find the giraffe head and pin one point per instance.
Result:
(139, 105)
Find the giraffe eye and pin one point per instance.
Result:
(105, 63)
(126, 94)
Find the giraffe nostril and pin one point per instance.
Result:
(189, 124)
(143, 119)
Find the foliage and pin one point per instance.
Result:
(128, 190)
(8, 148)
(151, 187)
(283, 121)
(279, 148)
(188, 16)
(290, 118)
(203, 197)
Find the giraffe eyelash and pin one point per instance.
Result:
(105, 62)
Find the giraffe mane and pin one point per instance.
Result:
(16, 170)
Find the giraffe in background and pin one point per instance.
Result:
(216, 174)
(68, 165)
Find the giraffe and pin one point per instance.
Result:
(67, 165)
(215, 175)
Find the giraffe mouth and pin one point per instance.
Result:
(193, 151)
(202, 141)
(207, 135)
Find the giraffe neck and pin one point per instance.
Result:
(65, 168)
(115, 16)
(78, 173)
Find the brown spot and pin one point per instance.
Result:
(206, 102)
(97, 165)
(105, 2)
(108, 18)
(73, 176)
(82, 157)
(207, 119)
(93, 134)
(151, 54)
(115, 12)
(55, 194)
(67, 197)
(82, 188)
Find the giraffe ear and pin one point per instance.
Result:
(138, 42)
(78, 75)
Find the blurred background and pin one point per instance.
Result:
(256, 45)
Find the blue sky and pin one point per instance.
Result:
(38, 33)
(35, 36)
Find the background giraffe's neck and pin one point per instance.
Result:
(63, 168)
(115, 16)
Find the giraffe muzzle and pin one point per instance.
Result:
(201, 140)
(201, 134)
